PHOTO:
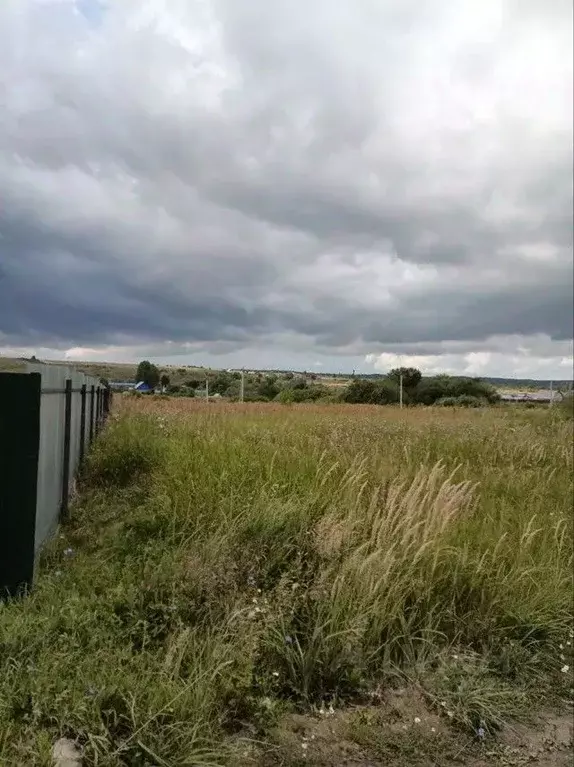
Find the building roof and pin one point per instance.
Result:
(542, 395)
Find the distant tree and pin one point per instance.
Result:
(147, 373)
(193, 383)
(164, 381)
(386, 392)
(268, 388)
(365, 392)
(465, 400)
(431, 390)
(298, 383)
(359, 392)
(411, 377)
(221, 382)
(288, 395)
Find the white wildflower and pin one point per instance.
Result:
(565, 669)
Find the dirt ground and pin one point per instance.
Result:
(403, 732)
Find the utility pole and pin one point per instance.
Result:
(400, 390)
(207, 389)
(242, 389)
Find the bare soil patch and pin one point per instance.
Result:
(402, 731)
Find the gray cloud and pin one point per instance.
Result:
(336, 179)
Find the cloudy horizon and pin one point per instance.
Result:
(288, 185)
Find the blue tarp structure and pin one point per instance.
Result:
(143, 387)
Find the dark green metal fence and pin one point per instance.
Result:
(48, 418)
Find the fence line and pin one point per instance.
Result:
(49, 415)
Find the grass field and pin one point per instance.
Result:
(234, 577)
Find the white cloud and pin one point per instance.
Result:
(279, 181)
(536, 358)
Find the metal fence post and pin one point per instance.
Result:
(66, 462)
(92, 402)
(97, 425)
(20, 396)
(83, 422)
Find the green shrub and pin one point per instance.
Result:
(125, 452)
(368, 392)
(566, 405)
(286, 396)
(465, 400)
(430, 390)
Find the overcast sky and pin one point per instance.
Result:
(284, 184)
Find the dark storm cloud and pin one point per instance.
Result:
(349, 176)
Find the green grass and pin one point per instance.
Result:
(226, 564)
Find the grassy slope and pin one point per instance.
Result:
(227, 563)
(113, 371)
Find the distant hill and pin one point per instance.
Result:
(117, 371)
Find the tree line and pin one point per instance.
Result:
(419, 390)
(290, 388)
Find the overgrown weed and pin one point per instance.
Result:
(223, 565)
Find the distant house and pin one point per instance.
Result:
(143, 387)
(121, 385)
(541, 396)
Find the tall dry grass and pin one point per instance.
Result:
(225, 562)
